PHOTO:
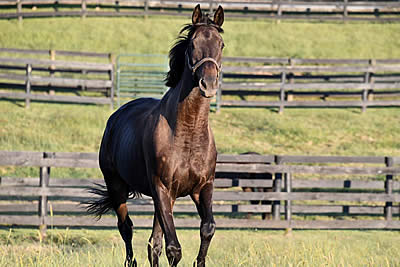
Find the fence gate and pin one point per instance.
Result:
(140, 75)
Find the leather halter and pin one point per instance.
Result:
(194, 67)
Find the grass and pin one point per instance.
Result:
(78, 128)
(67, 127)
(22, 247)
(242, 37)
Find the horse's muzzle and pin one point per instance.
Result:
(208, 87)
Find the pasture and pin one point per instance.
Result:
(69, 127)
(77, 128)
(70, 247)
(156, 35)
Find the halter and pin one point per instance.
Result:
(194, 67)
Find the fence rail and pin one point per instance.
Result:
(34, 74)
(278, 186)
(245, 82)
(285, 82)
(279, 10)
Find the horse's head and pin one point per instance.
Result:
(204, 52)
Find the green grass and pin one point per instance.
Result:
(22, 247)
(78, 128)
(308, 131)
(68, 127)
(242, 37)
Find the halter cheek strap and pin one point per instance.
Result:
(194, 67)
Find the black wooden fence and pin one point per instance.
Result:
(34, 73)
(284, 82)
(343, 192)
(276, 9)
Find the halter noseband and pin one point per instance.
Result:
(194, 67)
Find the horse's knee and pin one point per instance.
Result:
(174, 253)
(207, 230)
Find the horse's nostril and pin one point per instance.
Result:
(203, 83)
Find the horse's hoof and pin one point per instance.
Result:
(130, 263)
(199, 264)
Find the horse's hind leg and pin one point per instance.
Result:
(154, 248)
(125, 226)
(119, 191)
(203, 203)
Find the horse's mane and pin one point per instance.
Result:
(178, 51)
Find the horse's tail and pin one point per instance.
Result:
(98, 206)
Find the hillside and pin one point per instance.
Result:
(242, 37)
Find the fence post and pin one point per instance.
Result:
(365, 92)
(83, 9)
(118, 82)
(282, 93)
(372, 63)
(117, 6)
(146, 8)
(111, 75)
(367, 82)
(291, 79)
(56, 6)
(277, 185)
(44, 182)
(345, 12)
(211, 6)
(279, 11)
(388, 189)
(28, 85)
(288, 203)
(52, 67)
(219, 93)
(19, 10)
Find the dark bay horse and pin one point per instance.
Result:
(165, 148)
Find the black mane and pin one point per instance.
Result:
(178, 51)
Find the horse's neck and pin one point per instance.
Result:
(186, 109)
(192, 113)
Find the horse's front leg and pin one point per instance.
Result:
(154, 247)
(163, 204)
(203, 202)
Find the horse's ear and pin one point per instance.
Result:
(219, 16)
(197, 15)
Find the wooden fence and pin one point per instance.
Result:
(356, 193)
(290, 9)
(284, 82)
(51, 75)
(245, 82)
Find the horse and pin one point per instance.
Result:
(165, 148)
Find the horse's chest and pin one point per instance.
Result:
(186, 165)
(185, 160)
(182, 170)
